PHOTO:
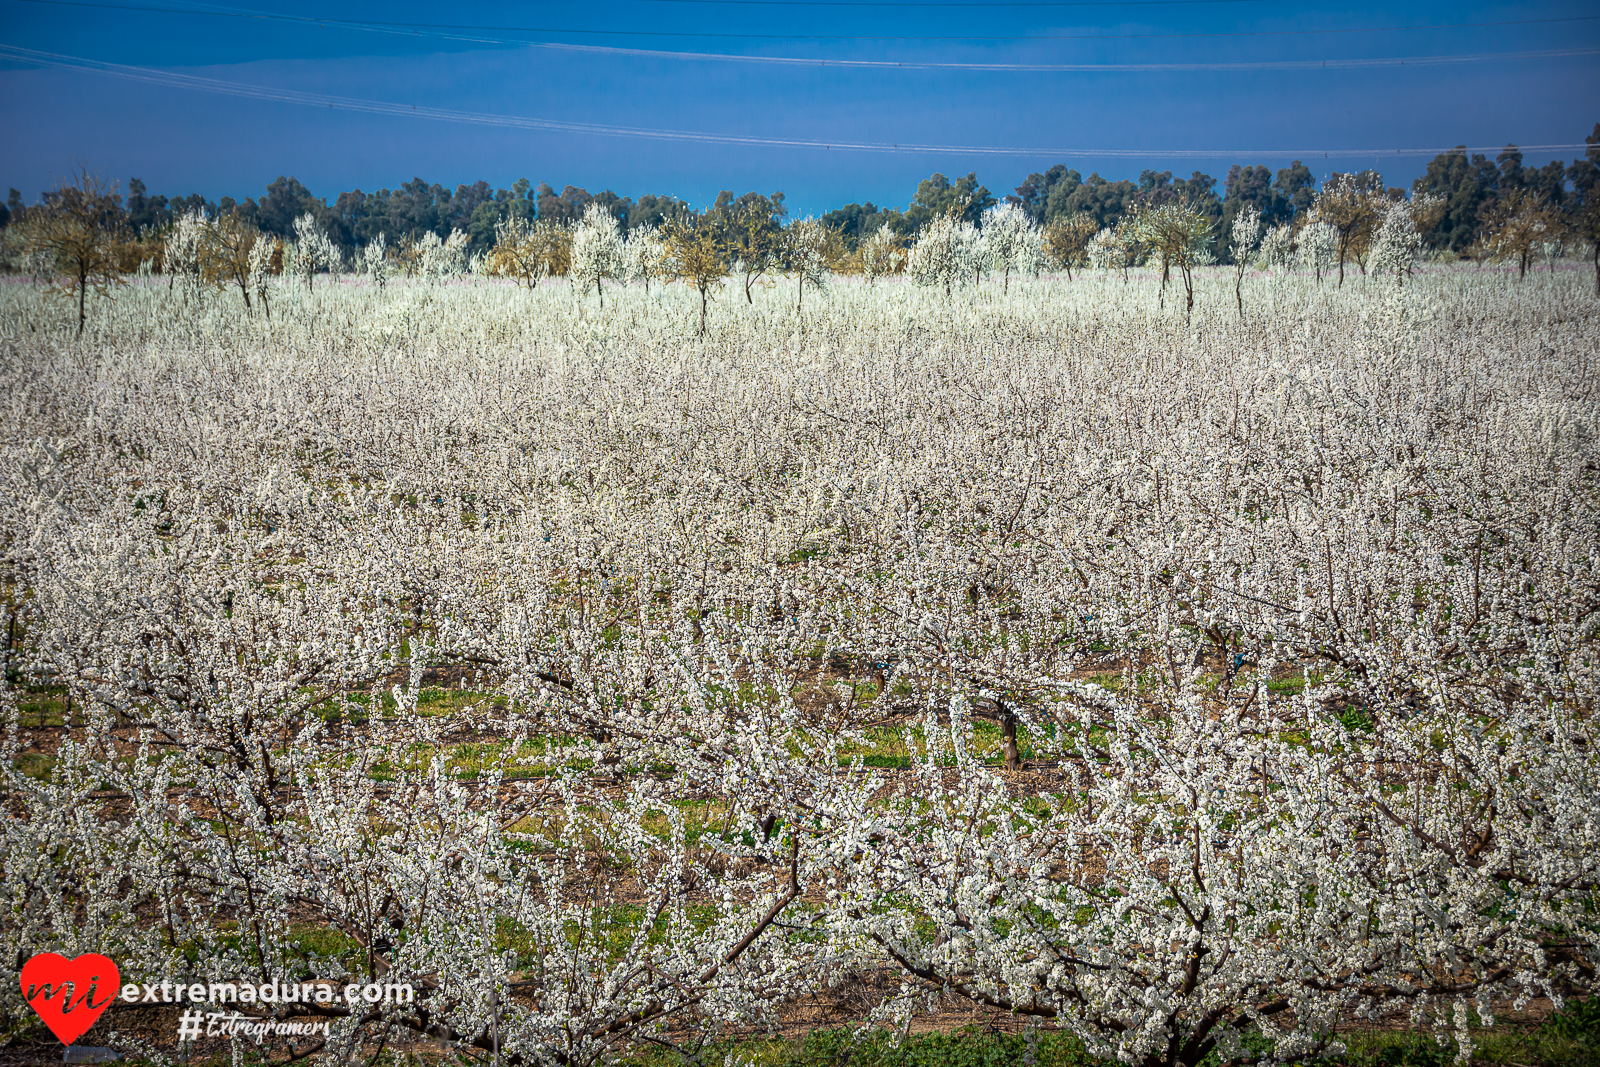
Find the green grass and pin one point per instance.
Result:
(1569, 1039)
(43, 706)
(1544, 1047)
(36, 765)
(970, 1047)
(887, 746)
(966, 1047)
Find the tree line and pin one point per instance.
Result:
(1474, 191)
(1471, 186)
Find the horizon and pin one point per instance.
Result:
(122, 185)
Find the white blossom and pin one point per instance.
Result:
(1010, 240)
(1277, 246)
(942, 254)
(183, 251)
(439, 258)
(645, 255)
(805, 245)
(312, 250)
(1397, 243)
(533, 654)
(880, 254)
(597, 248)
(375, 261)
(1318, 248)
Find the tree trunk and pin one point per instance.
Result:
(1008, 735)
(702, 311)
(11, 641)
(83, 296)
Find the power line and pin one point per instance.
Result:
(608, 50)
(648, 53)
(914, 3)
(1082, 68)
(961, 3)
(955, 3)
(417, 26)
(170, 79)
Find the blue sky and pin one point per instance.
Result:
(179, 139)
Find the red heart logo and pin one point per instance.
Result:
(63, 991)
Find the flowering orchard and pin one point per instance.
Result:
(1194, 679)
